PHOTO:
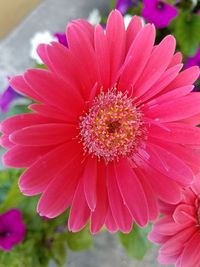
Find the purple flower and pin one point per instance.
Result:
(62, 39)
(7, 97)
(12, 229)
(159, 12)
(194, 61)
(123, 5)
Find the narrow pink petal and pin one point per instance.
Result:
(89, 178)
(175, 245)
(176, 93)
(156, 67)
(60, 191)
(85, 26)
(166, 190)
(118, 208)
(186, 77)
(55, 92)
(82, 48)
(116, 37)
(179, 133)
(194, 120)
(165, 79)
(176, 109)
(177, 59)
(5, 142)
(137, 57)
(20, 85)
(167, 164)
(43, 54)
(80, 212)
(17, 122)
(103, 56)
(23, 157)
(48, 111)
(35, 180)
(150, 196)
(65, 66)
(133, 29)
(44, 134)
(110, 222)
(184, 214)
(132, 192)
(157, 238)
(98, 216)
(190, 254)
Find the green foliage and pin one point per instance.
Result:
(186, 30)
(135, 243)
(80, 241)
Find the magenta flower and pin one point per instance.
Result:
(114, 126)
(159, 12)
(179, 230)
(62, 39)
(12, 229)
(194, 60)
(7, 98)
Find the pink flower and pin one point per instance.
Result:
(178, 231)
(114, 127)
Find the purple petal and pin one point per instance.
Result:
(159, 12)
(62, 39)
(7, 97)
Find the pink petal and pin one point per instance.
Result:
(89, 178)
(132, 192)
(190, 255)
(116, 37)
(20, 85)
(55, 92)
(35, 180)
(185, 214)
(177, 59)
(186, 77)
(137, 57)
(5, 142)
(133, 29)
(119, 210)
(60, 191)
(17, 122)
(23, 157)
(168, 164)
(103, 57)
(110, 222)
(155, 67)
(44, 134)
(98, 216)
(162, 82)
(179, 133)
(43, 54)
(48, 111)
(79, 213)
(175, 109)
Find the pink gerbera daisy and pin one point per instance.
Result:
(178, 231)
(114, 129)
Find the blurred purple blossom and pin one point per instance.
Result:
(12, 229)
(7, 97)
(62, 39)
(194, 61)
(159, 12)
(123, 5)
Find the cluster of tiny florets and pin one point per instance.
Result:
(112, 127)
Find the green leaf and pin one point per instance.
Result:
(80, 241)
(135, 243)
(59, 250)
(186, 30)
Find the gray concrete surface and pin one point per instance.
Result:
(14, 50)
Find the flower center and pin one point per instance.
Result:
(112, 127)
(160, 5)
(4, 234)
